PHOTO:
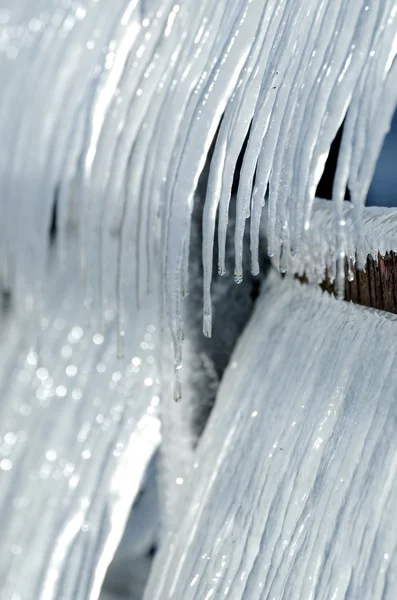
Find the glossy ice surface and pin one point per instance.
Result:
(109, 110)
(294, 479)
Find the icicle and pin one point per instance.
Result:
(232, 134)
(209, 215)
(107, 151)
(215, 95)
(338, 196)
(321, 83)
(350, 69)
(375, 114)
(277, 85)
(195, 52)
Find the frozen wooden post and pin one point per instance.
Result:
(375, 287)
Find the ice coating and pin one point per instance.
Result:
(135, 95)
(294, 481)
(108, 115)
(316, 259)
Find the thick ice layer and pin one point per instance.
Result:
(77, 430)
(295, 481)
(108, 112)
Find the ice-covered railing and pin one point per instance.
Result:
(107, 116)
(316, 259)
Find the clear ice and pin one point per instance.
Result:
(109, 113)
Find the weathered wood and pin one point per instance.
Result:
(375, 287)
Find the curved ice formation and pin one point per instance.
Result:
(295, 475)
(115, 110)
(107, 116)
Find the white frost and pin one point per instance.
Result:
(296, 481)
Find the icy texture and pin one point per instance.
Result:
(114, 110)
(204, 362)
(108, 113)
(77, 430)
(316, 259)
(295, 477)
